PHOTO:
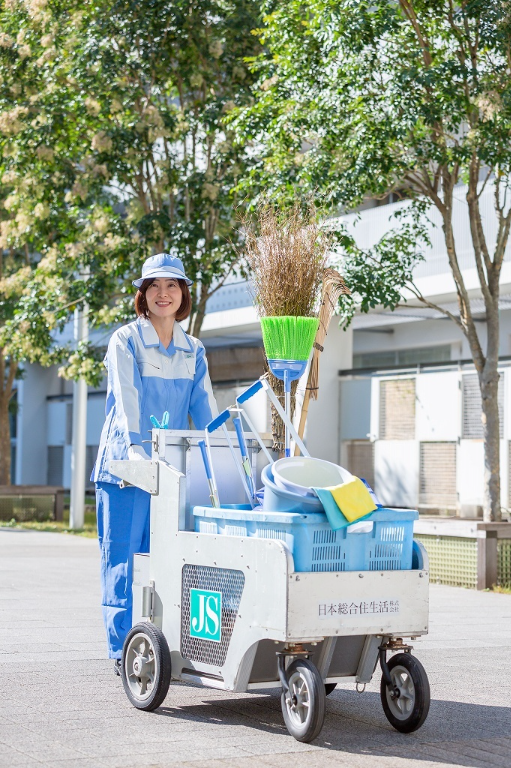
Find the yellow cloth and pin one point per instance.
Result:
(353, 499)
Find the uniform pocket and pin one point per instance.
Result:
(147, 368)
(190, 364)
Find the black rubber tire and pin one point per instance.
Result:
(329, 687)
(311, 727)
(162, 668)
(418, 708)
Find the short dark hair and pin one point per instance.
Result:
(182, 313)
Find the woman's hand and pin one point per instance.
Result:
(137, 453)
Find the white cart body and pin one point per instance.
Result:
(341, 618)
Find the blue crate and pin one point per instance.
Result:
(314, 545)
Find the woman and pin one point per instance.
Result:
(153, 366)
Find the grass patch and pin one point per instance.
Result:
(89, 529)
(506, 590)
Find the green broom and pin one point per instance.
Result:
(288, 337)
(288, 343)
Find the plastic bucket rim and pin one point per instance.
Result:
(284, 484)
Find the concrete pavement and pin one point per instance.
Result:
(61, 705)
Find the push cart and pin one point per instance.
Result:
(227, 607)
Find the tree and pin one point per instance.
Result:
(112, 147)
(159, 79)
(35, 169)
(357, 99)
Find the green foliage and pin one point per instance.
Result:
(382, 275)
(356, 99)
(157, 81)
(113, 147)
(85, 362)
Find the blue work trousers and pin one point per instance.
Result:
(123, 530)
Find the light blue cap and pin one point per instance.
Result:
(162, 265)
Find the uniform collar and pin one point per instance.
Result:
(181, 340)
(147, 332)
(150, 337)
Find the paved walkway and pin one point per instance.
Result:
(61, 705)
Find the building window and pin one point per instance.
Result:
(360, 459)
(397, 409)
(55, 464)
(438, 475)
(404, 357)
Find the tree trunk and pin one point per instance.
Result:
(6, 389)
(198, 315)
(489, 384)
(5, 441)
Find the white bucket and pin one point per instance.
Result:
(299, 474)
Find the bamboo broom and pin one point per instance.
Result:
(333, 287)
(287, 253)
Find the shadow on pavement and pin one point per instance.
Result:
(454, 733)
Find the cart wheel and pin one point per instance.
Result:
(145, 666)
(303, 706)
(329, 687)
(408, 711)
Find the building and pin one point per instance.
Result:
(399, 401)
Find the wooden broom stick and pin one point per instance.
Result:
(333, 287)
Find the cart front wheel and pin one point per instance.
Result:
(407, 711)
(145, 667)
(303, 706)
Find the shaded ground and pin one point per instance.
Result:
(62, 705)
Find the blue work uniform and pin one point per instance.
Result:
(144, 379)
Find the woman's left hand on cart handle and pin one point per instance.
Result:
(137, 453)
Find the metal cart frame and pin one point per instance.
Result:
(332, 627)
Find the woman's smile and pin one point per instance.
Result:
(164, 297)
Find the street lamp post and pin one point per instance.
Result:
(79, 445)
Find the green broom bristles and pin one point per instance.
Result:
(288, 337)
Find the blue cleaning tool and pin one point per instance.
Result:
(213, 493)
(217, 422)
(245, 462)
(164, 421)
(254, 388)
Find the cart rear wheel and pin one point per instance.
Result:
(409, 710)
(145, 667)
(303, 706)
(329, 687)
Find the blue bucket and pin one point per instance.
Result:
(278, 500)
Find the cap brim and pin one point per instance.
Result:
(162, 273)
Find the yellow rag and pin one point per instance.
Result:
(353, 499)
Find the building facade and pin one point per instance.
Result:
(399, 402)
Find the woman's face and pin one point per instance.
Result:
(163, 297)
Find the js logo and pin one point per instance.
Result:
(206, 615)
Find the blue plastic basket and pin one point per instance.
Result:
(312, 542)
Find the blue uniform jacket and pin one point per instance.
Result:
(146, 379)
